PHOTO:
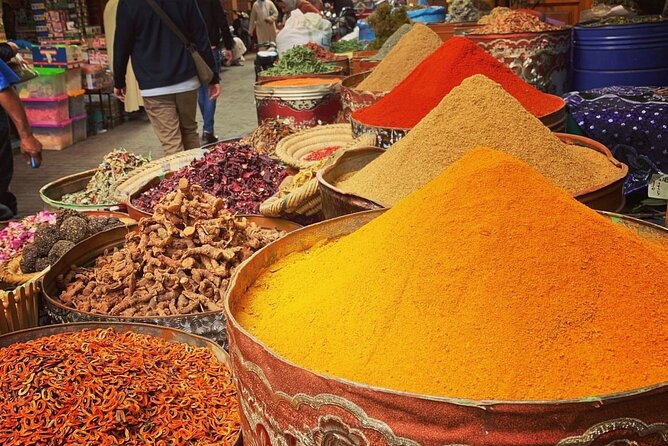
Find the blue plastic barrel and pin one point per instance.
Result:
(632, 55)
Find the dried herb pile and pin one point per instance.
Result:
(115, 167)
(102, 387)
(346, 46)
(505, 20)
(299, 60)
(268, 134)
(179, 262)
(384, 21)
(53, 240)
(233, 172)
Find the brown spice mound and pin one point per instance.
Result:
(478, 112)
(412, 49)
(179, 262)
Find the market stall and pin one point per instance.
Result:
(437, 251)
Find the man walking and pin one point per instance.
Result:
(164, 67)
(216, 24)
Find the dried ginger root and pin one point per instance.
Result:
(179, 262)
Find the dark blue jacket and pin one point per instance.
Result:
(159, 59)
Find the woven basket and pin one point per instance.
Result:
(304, 204)
(156, 168)
(19, 308)
(294, 148)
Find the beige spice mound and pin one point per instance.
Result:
(412, 49)
(478, 112)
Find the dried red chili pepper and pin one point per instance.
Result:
(107, 388)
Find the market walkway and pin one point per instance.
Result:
(235, 115)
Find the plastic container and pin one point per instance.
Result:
(46, 111)
(430, 14)
(77, 104)
(54, 136)
(79, 128)
(50, 83)
(307, 404)
(73, 81)
(630, 55)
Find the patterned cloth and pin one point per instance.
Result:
(632, 122)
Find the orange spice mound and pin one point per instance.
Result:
(487, 283)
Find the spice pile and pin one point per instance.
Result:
(179, 262)
(298, 60)
(467, 10)
(407, 54)
(115, 168)
(240, 176)
(478, 112)
(321, 53)
(624, 20)
(268, 134)
(526, 297)
(321, 154)
(505, 20)
(18, 234)
(53, 240)
(457, 59)
(103, 387)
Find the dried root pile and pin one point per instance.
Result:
(179, 262)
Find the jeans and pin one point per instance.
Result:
(206, 106)
(7, 199)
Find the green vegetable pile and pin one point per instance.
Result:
(385, 20)
(346, 46)
(298, 60)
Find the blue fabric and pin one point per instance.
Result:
(431, 14)
(7, 76)
(206, 106)
(632, 122)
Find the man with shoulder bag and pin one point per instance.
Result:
(172, 57)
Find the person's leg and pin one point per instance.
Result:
(163, 113)
(186, 105)
(207, 106)
(6, 164)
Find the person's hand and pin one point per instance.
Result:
(214, 91)
(31, 149)
(23, 44)
(227, 57)
(120, 94)
(14, 47)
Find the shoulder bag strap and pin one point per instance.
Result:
(170, 23)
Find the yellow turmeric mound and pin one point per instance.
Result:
(488, 283)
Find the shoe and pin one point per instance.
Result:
(209, 138)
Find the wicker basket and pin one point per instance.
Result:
(304, 204)
(293, 149)
(156, 168)
(19, 308)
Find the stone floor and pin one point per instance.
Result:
(235, 115)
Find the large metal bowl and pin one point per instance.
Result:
(51, 193)
(283, 403)
(353, 99)
(168, 334)
(210, 324)
(337, 202)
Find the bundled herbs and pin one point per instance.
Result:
(346, 46)
(299, 60)
(385, 20)
(52, 241)
(236, 173)
(115, 167)
(265, 138)
(179, 262)
(19, 234)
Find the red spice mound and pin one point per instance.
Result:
(456, 59)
